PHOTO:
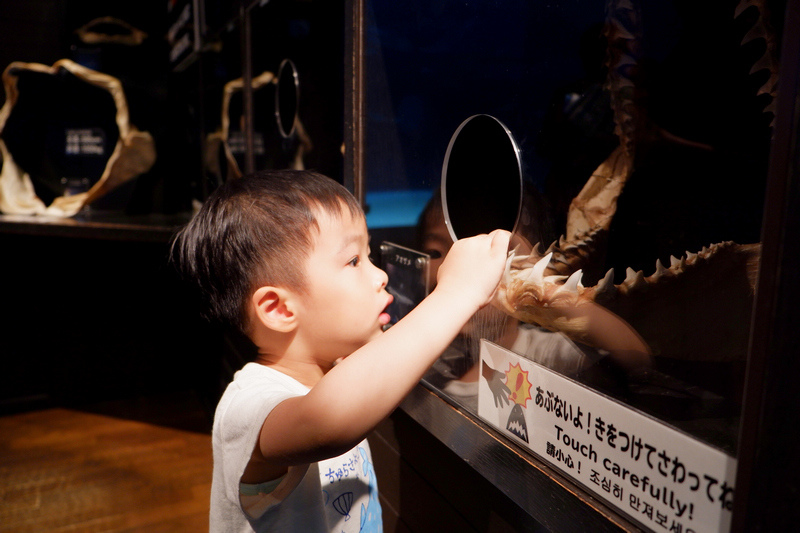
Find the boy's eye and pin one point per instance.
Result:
(354, 261)
(435, 254)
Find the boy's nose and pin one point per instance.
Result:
(381, 279)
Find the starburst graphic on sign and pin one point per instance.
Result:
(520, 387)
(517, 382)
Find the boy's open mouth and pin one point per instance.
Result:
(384, 317)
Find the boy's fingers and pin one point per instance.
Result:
(500, 240)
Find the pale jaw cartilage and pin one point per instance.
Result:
(133, 155)
(527, 283)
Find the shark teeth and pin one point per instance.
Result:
(530, 270)
(572, 284)
(634, 280)
(606, 285)
(661, 271)
(677, 264)
(537, 272)
(509, 260)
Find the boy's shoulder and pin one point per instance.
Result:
(255, 390)
(256, 379)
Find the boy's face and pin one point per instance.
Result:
(344, 307)
(436, 242)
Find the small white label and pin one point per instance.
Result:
(86, 141)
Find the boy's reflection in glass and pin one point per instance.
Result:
(456, 372)
(622, 370)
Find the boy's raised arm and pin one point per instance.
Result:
(355, 395)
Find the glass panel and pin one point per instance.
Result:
(297, 116)
(643, 132)
(221, 67)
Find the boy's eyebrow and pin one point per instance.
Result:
(356, 238)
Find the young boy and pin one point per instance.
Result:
(283, 257)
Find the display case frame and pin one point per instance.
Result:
(767, 463)
(767, 466)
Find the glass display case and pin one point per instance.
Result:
(270, 76)
(649, 159)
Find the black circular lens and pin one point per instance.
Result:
(286, 98)
(481, 178)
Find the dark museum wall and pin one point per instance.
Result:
(179, 103)
(44, 31)
(91, 317)
(115, 317)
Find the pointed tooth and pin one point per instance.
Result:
(677, 265)
(623, 33)
(690, 257)
(756, 32)
(537, 275)
(514, 262)
(562, 241)
(526, 274)
(606, 285)
(740, 8)
(510, 258)
(550, 248)
(660, 270)
(634, 280)
(572, 283)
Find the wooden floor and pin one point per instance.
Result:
(135, 465)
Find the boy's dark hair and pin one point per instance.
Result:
(253, 231)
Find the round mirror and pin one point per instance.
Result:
(481, 179)
(287, 96)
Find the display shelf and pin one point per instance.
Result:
(97, 225)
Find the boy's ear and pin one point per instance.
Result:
(275, 308)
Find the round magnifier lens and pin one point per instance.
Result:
(287, 96)
(481, 179)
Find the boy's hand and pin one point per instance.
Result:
(473, 267)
